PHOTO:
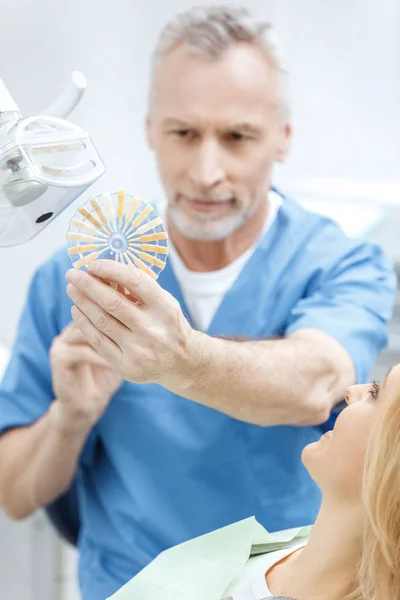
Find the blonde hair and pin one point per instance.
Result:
(379, 571)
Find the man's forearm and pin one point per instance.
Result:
(37, 463)
(292, 381)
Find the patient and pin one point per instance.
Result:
(353, 552)
(354, 548)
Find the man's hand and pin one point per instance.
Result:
(290, 381)
(83, 382)
(146, 340)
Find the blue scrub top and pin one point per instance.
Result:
(159, 469)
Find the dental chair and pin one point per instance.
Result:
(63, 514)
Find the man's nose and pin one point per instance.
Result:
(207, 170)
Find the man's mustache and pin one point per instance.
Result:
(215, 197)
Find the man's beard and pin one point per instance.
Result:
(206, 229)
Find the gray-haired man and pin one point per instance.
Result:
(205, 430)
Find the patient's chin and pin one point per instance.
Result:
(308, 458)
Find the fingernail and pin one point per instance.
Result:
(94, 267)
(74, 312)
(72, 275)
(70, 289)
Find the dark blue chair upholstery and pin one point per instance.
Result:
(63, 513)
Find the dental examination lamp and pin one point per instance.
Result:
(45, 163)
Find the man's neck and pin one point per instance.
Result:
(327, 566)
(211, 256)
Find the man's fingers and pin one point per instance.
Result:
(100, 342)
(141, 285)
(87, 292)
(78, 355)
(72, 335)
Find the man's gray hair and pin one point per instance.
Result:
(210, 30)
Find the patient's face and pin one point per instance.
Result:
(336, 461)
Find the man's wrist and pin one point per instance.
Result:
(191, 364)
(69, 425)
(189, 361)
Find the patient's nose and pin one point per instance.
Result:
(355, 393)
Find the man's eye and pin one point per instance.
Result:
(237, 137)
(182, 132)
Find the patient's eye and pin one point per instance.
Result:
(374, 389)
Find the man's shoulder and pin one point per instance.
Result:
(296, 214)
(316, 230)
(319, 244)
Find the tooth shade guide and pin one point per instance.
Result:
(141, 217)
(83, 262)
(83, 237)
(143, 267)
(149, 248)
(85, 227)
(118, 227)
(150, 259)
(83, 249)
(92, 219)
(131, 211)
(150, 225)
(100, 213)
(152, 237)
(108, 205)
(120, 206)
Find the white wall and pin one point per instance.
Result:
(345, 60)
(344, 56)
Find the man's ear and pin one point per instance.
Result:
(285, 142)
(149, 132)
